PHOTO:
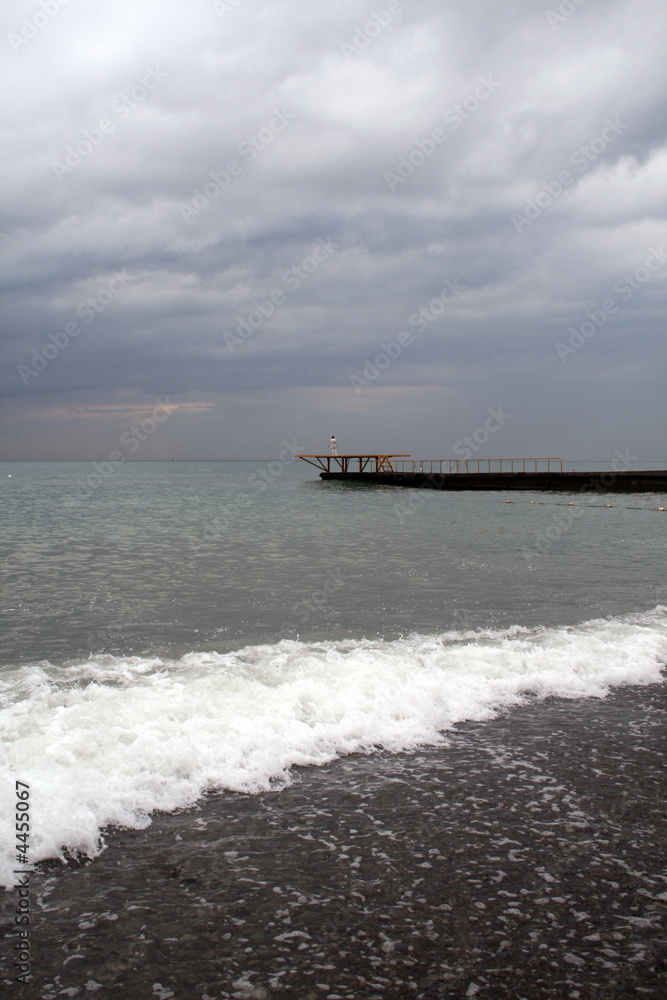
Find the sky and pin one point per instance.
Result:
(228, 225)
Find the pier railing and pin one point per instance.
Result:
(513, 464)
(438, 466)
(451, 466)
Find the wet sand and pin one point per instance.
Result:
(524, 858)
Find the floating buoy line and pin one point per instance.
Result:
(570, 503)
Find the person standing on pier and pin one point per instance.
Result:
(334, 448)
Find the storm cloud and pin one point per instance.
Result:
(285, 220)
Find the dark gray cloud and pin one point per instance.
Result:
(380, 219)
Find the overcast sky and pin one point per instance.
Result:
(232, 209)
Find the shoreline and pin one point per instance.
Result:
(522, 858)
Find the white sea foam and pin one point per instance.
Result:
(110, 740)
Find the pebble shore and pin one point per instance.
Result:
(523, 858)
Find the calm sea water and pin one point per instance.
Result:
(171, 627)
(164, 558)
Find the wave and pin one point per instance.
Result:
(109, 740)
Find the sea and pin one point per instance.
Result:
(206, 646)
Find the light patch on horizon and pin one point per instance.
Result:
(132, 411)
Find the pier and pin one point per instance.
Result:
(481, 474)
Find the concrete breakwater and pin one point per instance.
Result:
(598, 482)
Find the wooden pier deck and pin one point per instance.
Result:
(482, 474)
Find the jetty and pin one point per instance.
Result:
(482, 474)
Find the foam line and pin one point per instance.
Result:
(110, 740)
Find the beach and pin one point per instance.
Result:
(524, 858)
(420, 755)
(333, 501)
